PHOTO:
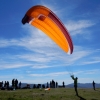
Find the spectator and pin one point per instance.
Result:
(93, 85)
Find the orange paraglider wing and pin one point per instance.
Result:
(44, 19)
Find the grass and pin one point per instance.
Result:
(53, 94)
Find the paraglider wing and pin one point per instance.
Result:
(44, 19)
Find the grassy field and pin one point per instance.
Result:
(53, 94)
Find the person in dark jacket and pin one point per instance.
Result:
(75, 83)
(93, 85)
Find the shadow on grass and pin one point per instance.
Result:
(81, 98)
(10, 99)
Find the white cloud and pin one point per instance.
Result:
(87, 72)
(4, 43)
(94, 71)
(49, 74)
(78, 27)
(13, 65)
(58, 74)
(91, 61)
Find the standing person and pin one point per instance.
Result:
(75, 83)
(93, 85)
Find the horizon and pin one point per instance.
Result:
(27, 54)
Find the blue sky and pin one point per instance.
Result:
(29, 55)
